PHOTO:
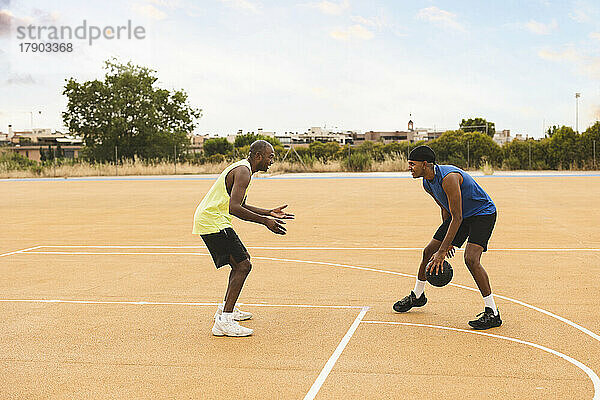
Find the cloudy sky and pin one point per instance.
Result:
(357, 65)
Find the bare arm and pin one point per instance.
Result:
(451, 186)
(256, 210)
(273, 212)
(241, 180)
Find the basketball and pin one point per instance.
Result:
(443, 277)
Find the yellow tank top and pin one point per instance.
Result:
(212, 214)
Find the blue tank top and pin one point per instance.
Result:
(475, 201)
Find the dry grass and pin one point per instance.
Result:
(390, 164)
(129, 168)
(487, 169)
(125, 169)
(316, 166)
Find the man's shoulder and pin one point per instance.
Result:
(241, 174)
(448, 168)
(453, 171)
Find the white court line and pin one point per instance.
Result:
(92, 253)
(155, 303)
(334, 357)
(562, 319)
(409, 249)
(310, 248)
(20, 251)
(590, 373)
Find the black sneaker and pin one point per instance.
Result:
(486, 320)
(409, 302)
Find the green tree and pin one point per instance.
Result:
(375, 150)
(217, 146)
(478, 125)
(525, 154)
(565, 149)
(450, 148)
(551, 130)
(466, 149)
(590, 139)
(127, 110)
(324, 151)
(42, 154)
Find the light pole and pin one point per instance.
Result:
(30, 117)
(577, 96)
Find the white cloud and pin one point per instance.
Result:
(172, 4)
(20, 79)
(244, 5)
(10, 21)
(440, 17)
(188, 6)
(45, 17)
(149, 11)
(580, 16)
(565, 55)
(5, 22)
(375, 22)
(585, 65)
(352, 32)
(331, 8)
(584, 11)
(540, 28)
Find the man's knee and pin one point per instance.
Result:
(472, 260)
(243, 267)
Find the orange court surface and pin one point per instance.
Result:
(105, 293)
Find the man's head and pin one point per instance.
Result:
(420, 159)
(261, 155)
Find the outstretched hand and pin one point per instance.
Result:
(276, 226)
(279, 213)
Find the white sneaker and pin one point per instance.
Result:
(229, 328)
(238, 314)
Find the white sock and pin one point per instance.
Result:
(419, 288)
(489, 302)
(227, 317)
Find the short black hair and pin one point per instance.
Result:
(422, 153)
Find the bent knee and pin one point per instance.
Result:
(471, 261)
(244, 267)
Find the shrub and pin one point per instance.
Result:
(11, 161)
(216, 158)
(358, 162)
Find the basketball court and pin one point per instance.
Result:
(105, 293)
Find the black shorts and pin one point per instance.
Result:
(224, 245)
(477, 228)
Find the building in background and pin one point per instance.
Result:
(502, 137)
(196, 143)
(39, 143)
(410, 135)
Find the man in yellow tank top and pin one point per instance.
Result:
(212, 221)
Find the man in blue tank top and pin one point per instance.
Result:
(467, 212)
